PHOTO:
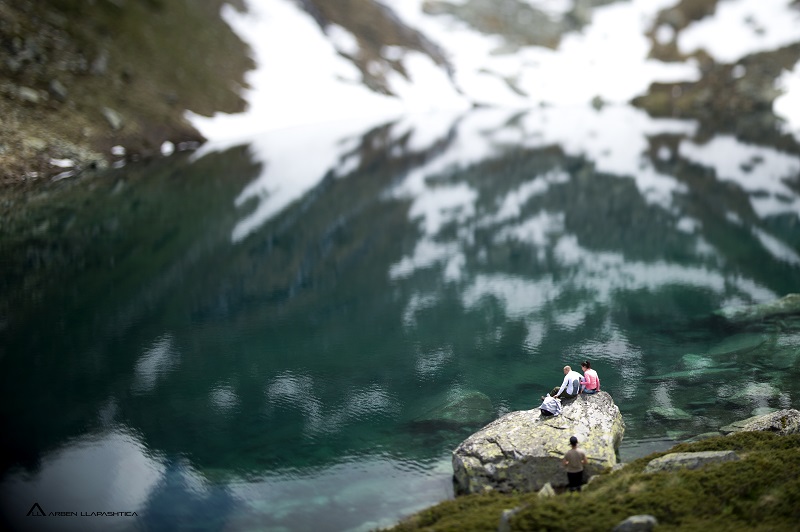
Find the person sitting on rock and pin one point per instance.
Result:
(590, 382)
(570, 387)
(550, 406)
(574, 460)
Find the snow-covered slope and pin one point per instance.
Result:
(307, 71)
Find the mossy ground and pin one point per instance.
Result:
(759, 492)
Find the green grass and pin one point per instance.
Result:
(759, 492)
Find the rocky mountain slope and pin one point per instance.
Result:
(85, 85)
(78, 78)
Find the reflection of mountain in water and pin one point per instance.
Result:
(345, 306)
(369, 272)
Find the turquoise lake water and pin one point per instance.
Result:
(292, 332)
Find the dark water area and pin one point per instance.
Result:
(294, 331)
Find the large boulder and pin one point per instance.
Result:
(523, 450)
(781, 422)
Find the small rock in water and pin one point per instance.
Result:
(669, 413)
(737, 344)
(695, 362)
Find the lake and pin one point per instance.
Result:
(293, 331)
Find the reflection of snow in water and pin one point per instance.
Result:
(787, 106)
(777, 249)
(290, 391)
(759, 170)
(154, 363)
(615, 140)
(431, 361)
(612, 346)
(511, 205)
(377, 490)
(223, 397)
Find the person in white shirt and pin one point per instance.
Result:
(570, 387)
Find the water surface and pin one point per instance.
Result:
(294, 331)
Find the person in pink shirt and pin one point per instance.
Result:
(590, 383)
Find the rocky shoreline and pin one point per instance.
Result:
(89, 86)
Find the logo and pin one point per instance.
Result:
(36, 511)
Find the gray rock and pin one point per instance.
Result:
(505, 518)
(637, 523)
(703, 436)
(523, 450)
(57, 90)
(100, 64)
(547, 491)
(782, 422)
(114, 119)
(672, 461)
(27, 94)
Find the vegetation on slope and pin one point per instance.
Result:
(758, 492)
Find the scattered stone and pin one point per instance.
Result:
(505, 518)
(118, 151)
(57, 90)
(33, 143)
(100, 64)
(167, 148)
(523, 450)
(703, 436)
(63, 175)
(673, 461)
(637, 523)
(62, 163)
(114, 119)
(548, 491)
(27, 94)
